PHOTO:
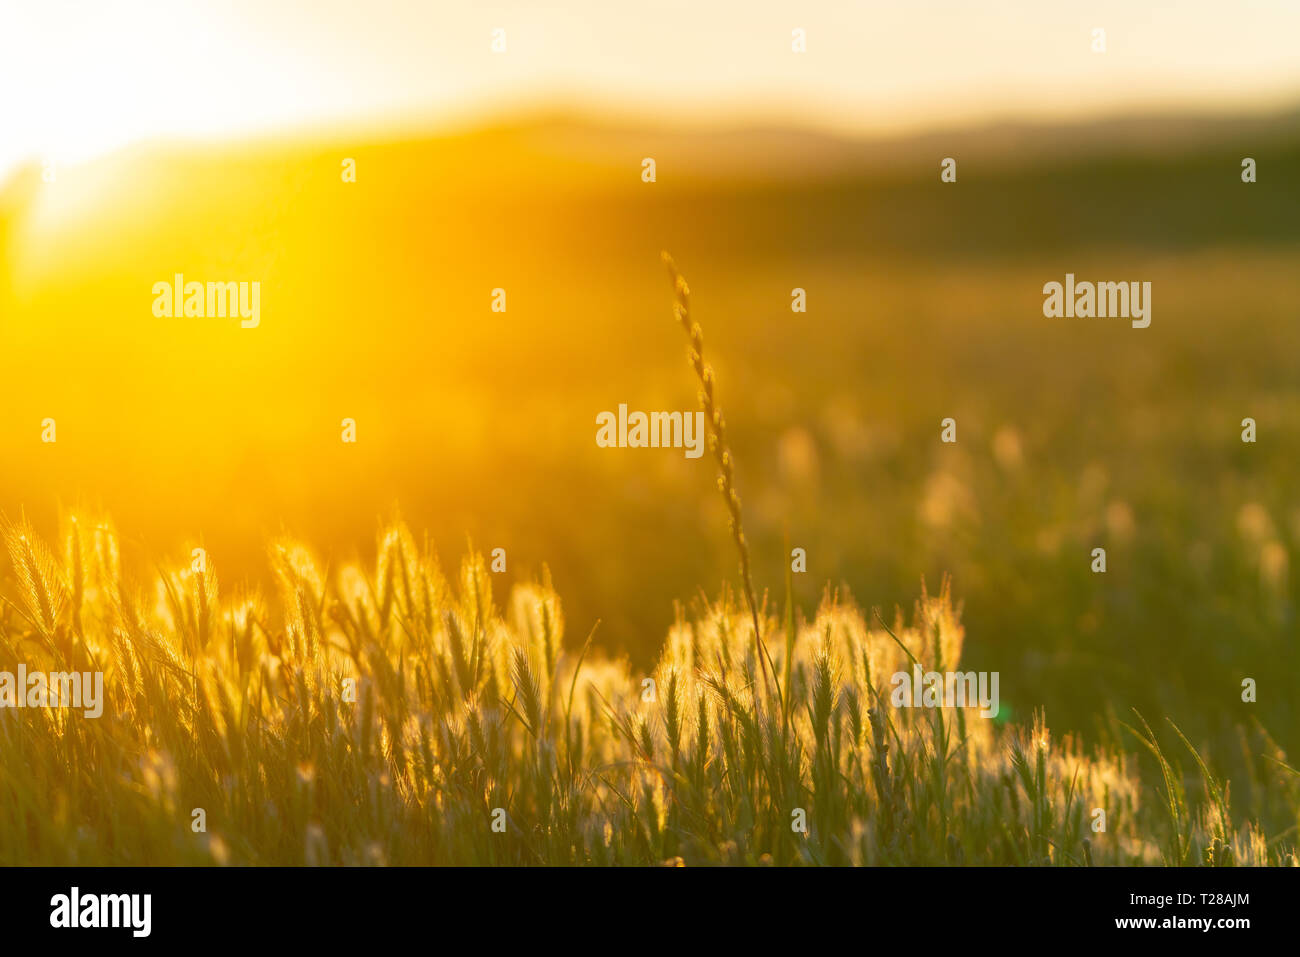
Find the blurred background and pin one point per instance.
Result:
(209, 141)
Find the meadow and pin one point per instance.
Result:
(471, 693)
(396, 715)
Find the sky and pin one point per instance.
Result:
(81, 77)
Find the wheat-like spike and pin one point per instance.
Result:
(460, 657)
(42, 587)
(673, 715)
(528, 691)
(721, 452)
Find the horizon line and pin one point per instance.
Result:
(433, 124)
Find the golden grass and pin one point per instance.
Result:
(240, 704)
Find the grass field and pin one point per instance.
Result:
(924, 302)
(462, 715)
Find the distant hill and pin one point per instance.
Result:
(751, 152)
(1167, 180)
(747, 153)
